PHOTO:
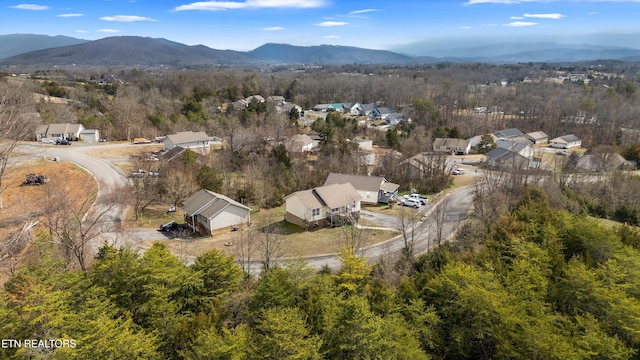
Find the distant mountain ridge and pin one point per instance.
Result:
(141, 52)
(15, 44)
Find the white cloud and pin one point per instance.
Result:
(521, 24)
(356, 12)
(82, 31)
(331, 37)
(273, 28)
(332, 23)
(516, 18)
(109, 30)
(555, 16)
(126, 18)
(30, 7)
(249, 4)
(69, 15)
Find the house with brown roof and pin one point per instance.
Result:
(207, 213)
(323, 206)
(372, 189)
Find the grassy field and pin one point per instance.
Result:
(124, 152)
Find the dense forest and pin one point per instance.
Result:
(539, 283)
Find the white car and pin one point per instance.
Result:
(422, 200)
(411, 202)
(458, 171)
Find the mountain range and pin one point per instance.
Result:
(132, 51)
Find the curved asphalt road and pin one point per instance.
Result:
(457, 205)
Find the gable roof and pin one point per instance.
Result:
(508, 133)
(566, 138)
(360, 182)
(173, 153)
(208, 204)
(450, 143)
(188, 137)
(497, 153)
(537, 135)
(331, 196)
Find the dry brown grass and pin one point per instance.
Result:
(23, 204)
(124, 152)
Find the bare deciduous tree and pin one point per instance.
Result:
(16, 124)
(270, 245)
(76, 220)
(245, 248)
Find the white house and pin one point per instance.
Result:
(90, 135)
(322, 206)
(565, 142)
(300, 143)
(59, 131)
(207, 212)
(188, 140)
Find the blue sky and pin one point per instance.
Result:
(374, 24)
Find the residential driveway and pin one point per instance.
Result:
(384, 220)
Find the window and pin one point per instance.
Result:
(335, 210)
(315, 212)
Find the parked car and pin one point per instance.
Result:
(458, 171)
(422, 200)
(63, 142)
(411, 202)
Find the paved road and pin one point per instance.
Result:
(457, 206)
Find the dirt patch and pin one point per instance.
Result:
(23, 203)
(123, 151)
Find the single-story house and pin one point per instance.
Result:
(351, 108)
(286, 108)
(188, 140)
(328, 107)
(323, 206)
(207, 212)
(90, 135)
(276, 99)
(300, 143)
(508, 134)
(395, 118)
(59, 131)
(603, 162)
(418, 165)
(537, 137)
(565, 142)
(364, 144)
(366, 109)
(503, 158)
(524, 150)
(474, 141)
(451, 145)
(381, 113)
(372, 189)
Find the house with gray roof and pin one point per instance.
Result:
(208, 213)
(373, 189)
(452, 146)
(525, 150)
(188, 140)
(565, 142)
(59, 131)
(537, 137)
(506, 159)
(508, 134)
(327, 205)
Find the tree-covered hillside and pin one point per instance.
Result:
(538, 284)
